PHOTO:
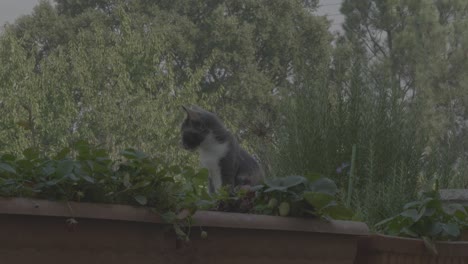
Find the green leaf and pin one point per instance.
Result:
(166, 179)
(188, 172)
(73, 177)
(48, 169)
(202, 174)
(395, 227)
(52, 182)
(62, 153)
(324, 185)
(436, 229)
(422, 211)
(83, 148)
(90, 164)
(100, 153)
(133, 154)
(256, 188)
(175, 169)
(64, 167)
(141, 199)
(385, 221)
(8, 157)
(278, 188)
(451, 229)
(432, 203)
(88, 178)
(452, 209)
(284, 183)
(31, 153)
(317, 199)
(411, 213)
(408, 232)
(414, 205)
(141, 184)
(429, 212)
(338, 212)
(25, 165)
(311, 177)
(8, 181)
(7, 168)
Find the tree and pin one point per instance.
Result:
(116, 72)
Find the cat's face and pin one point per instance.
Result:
(195, 128)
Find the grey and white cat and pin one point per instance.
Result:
(219, 151)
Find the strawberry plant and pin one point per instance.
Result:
(301, 196)
(87, 173)
(287, 196)
(427, 217)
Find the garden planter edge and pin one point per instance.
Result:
(36, 231)
(27, 206)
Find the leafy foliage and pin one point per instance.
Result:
(286, 196)
(427, 218)
(88, 174)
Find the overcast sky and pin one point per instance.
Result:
(12, 9)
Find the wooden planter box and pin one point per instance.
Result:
(380, 249)
(35, 231)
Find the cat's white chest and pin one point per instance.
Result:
(211, 152)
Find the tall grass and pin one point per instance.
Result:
(323, 121)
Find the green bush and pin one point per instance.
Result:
(294, 195)
(427, 217)
(88, 174)
(85, 173)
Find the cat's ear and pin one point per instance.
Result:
(190, 113)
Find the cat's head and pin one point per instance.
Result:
(198, 126)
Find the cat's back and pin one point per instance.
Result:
(250, 172)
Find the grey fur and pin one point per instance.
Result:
(219, 150)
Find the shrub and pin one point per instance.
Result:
(427, 218)
(86, 173)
